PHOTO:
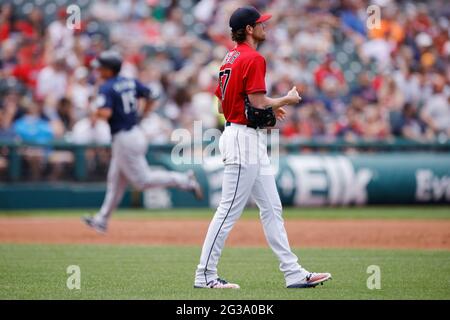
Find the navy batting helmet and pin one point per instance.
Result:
(108, 59)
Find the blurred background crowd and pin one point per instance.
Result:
(392, 81)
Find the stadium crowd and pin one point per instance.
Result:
(392, 80)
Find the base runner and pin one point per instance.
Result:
(117, 102)
(247, 109)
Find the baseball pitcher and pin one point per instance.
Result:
(117, 102)
(247, 109)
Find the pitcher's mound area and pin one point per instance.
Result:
(414, 234)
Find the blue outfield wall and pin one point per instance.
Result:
(54, 195)
(302, 180)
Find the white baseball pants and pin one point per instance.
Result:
(247, 172)
(129, 165)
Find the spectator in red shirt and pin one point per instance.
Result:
(28, 67)
(328, 69)
(5, 21)
(32, 27)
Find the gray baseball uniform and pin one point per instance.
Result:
(129, 165)
(129, 146)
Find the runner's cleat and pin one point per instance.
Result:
(99, 227)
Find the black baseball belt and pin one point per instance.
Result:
(228, 123)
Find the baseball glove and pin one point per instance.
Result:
(259, 118)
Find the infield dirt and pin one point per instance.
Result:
(370, 233)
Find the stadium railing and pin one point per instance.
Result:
(14, 167)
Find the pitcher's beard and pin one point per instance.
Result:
(259, 41)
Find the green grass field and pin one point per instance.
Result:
(33, 271)
(138, 272)
(374, 212)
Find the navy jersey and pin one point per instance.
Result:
(120, 95)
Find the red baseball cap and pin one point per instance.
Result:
(245, 16)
